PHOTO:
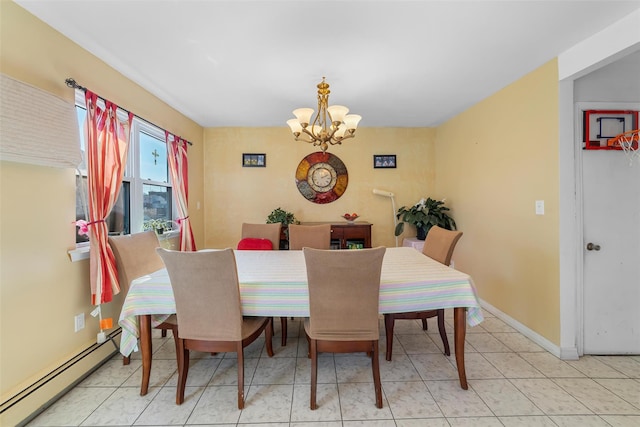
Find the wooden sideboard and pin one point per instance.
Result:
(344, 235)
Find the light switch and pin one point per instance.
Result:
(539, 207)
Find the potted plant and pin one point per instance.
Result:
(424, 215)
(158, 225)
(285, 218)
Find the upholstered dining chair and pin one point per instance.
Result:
(207, 295)
(438, 245)
(310, 236)
(255, 237)
(136, 256)
(344, 288)
(270, 232)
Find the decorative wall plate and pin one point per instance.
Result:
(321, 177)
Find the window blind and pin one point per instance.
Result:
(37, 127)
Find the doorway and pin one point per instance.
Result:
(610, 250)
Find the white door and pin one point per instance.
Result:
(611, 280)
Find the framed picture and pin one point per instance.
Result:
(254, 160)
(384, 161)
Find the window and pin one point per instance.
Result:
(146, 194)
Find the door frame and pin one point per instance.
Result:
(603, 48)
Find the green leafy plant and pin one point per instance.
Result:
(282, 216)
(424, 215)
(158, 225)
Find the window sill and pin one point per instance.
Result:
(82, 252)
(79, 253)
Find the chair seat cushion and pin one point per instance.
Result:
(252, 243)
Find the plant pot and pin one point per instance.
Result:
(422, 233)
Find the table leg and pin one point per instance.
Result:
(145, 350)
(460, 330)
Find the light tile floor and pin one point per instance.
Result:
(512, 382)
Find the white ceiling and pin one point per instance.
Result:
(396, 63)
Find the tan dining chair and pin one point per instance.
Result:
(310, 236)
(344, 288)
(136, 256)
(438, 245)
(270, 232)
(263, 231)
(207, 295)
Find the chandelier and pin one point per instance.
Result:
(331, 125)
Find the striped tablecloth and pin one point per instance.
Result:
(274, 283)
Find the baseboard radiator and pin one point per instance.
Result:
(24, 406)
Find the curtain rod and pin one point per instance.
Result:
(74, 85)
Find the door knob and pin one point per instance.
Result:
(592, 247)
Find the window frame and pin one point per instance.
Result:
(132, 173)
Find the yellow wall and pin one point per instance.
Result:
(235, 194)
(41, 290)
(493, 162)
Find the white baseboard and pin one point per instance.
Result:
(562, 353)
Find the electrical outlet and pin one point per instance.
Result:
(79, 322)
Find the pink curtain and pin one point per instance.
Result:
(179, 169)
(107, 140)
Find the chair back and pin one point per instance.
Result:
(135, 255)
(344, 289)
(207, 294)
(310, 236)
(263, 231)
(440, 243)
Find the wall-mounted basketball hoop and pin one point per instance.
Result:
(628, 142)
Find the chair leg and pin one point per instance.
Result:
(126, 360)
(183, 371)
(240, 376)
(163, 334)
(389, 321)
(283, 326)
(375, 366)
(314, 374)
(443, 332)
(269, 337)
(424, 324)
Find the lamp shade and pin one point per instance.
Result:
(295, 126)
(303, 115)
(352, 120)
(337, 112)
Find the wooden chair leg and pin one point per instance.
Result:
(389, 321)
(283, 326)
(163, 333)
(240, 376)
(375, 366)
(314, 374)
(269, 337)
(443, 332)
(424, 324)
(183, 372)
(126, 360)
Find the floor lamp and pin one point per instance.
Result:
(390, 195)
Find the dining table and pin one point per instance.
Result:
(274, 284)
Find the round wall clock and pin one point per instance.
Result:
(321, 177)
